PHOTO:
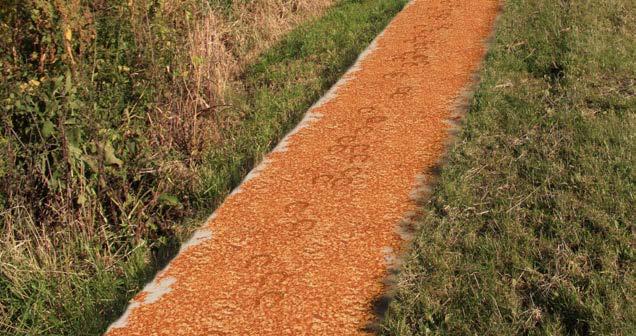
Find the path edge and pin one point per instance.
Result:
(157, 287)
(425, 182)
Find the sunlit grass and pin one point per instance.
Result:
(531, 229)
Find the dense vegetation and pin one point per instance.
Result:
(124, 123)
(531, 228)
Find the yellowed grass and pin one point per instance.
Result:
(73, 239)
(216, 51)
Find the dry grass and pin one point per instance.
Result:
(136, 90)
(217, 49)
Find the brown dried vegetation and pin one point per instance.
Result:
(108, 109)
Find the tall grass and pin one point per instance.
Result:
(531, 227)
(108, 108)
(126, 148)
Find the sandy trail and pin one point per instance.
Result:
(302, 247)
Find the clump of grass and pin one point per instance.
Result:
(128, 132)
(531, 226)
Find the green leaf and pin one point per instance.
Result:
(109, 156)
(48, 128)
(75, 151)
(68, 85)
(170, 200)
(91, 161)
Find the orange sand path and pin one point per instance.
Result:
(302, 247)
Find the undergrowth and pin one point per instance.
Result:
(125, 123)
(530, 229)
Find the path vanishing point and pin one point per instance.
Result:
(304, 245)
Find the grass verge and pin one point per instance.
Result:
(276, 90)
(530, 229)
(63, 278)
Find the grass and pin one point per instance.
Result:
(72, 254)
(531, 228)
(278, 88)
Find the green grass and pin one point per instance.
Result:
(285, 81)
(530, 229)
(69, 284)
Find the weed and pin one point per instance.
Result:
(125, 123)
